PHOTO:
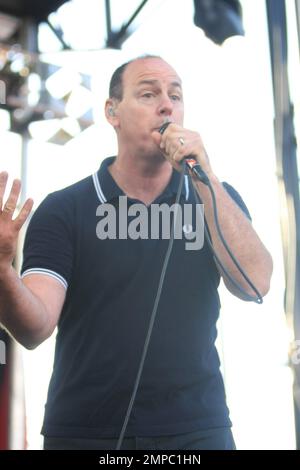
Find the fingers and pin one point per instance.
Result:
(7, 210)
(166, 152)
(11, 203)
(173, 142)
(24, 213)
(177, 143)
(173, 145)
(3, 183)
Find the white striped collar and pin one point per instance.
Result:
(98, 188)
(105, 184)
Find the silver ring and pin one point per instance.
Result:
(181, 140)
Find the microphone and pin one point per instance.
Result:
(189, 160)
(163, 127)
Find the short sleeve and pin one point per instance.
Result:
(237, 198)
(48, 247)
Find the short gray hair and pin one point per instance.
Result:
(116, 81)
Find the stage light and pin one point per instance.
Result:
(34, 89)
(44, 130)
(18, 63)
(56, 131)
(79, 102)
(8, 26)
(61, 83)
(4, 120)
(219, 19)
(70, 126)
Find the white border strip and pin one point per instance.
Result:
(98, 188)
(46, 272)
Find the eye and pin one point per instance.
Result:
(148, 95)
(175, 97)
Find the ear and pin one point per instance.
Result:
(110, 112)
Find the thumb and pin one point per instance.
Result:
(157, 137)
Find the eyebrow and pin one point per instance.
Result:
(155, 82)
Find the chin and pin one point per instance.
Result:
(155, 156)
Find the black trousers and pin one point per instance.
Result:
(210, 439)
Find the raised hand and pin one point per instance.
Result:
(9, 227)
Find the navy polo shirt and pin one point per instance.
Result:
(110, 290)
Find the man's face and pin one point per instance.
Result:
(152, 94)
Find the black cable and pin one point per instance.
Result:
(152, 318)
(202, 177)
(207, 182)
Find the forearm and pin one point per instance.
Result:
(176, 143)
(240, 236)
(21, 312)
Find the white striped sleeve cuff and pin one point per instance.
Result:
(46, 272)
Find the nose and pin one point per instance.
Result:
(165, 107)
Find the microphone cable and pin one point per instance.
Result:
(153, 316)
(204, 179)
(191, 164)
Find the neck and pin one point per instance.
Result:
(139, 178)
